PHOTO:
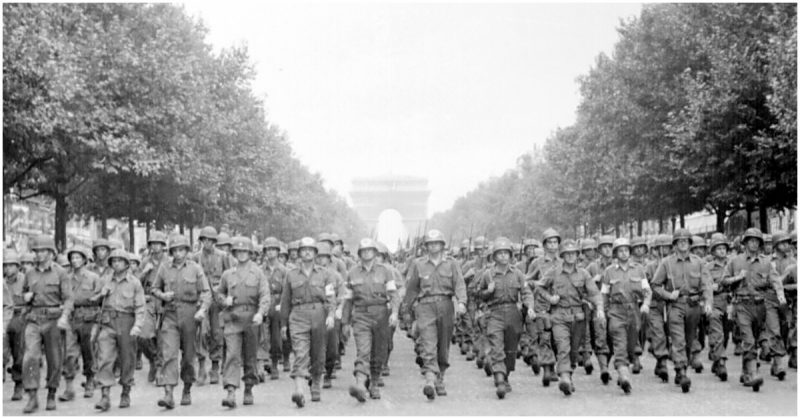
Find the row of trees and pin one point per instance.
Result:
(124, 111)
(695, 109)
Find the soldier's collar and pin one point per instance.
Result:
(625, 266)
(569, 268)
(48, 267)
(182, 264)
(497, 271)
(687, 257)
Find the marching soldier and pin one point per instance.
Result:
(214, 262)
(294, 253)
(182, 286)
(432, 282)
(776, 311)
(323, 259)
(528, 254)
(588, 252)
(750, 276)
(48, 293)
(85, 284)
(624, 285)
(699, 247)
(657, 324)
(120, 322)
(370, 289)
(307, 306)
(244, 292)
(464, 328)
(276, 275)
(784, 260)
(639, 250)
(717, 341)
(567, 287)
(146, 342)
(639, 254)
(13, 320)
(684, 282)
(101, 248)
(503, 287)
(224, 243)
(540, 326)
(384, 257)
(27, 262)
(598, 327)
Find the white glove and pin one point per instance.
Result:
(329, 322)
(338, 313)
(136, 331)
(63, 323)
(554, 299)
(200, 315)
(491, 286)
(393, 320)
(258, 318)
(167, 296)
(28, 296)
(462, 309)
(228, 301)
(531, 314)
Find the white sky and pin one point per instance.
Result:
(451, 92)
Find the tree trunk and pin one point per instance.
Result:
(660, 225)
(602, 229)
(131, 206)
(749, 210)
(103, 227)
(61, 221)
(180, 227)
(721, 212)
(763, 218)
(191, 236)
(674, 221)
(639, 226)
(683, 221)
(147, 231)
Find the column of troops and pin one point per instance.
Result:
(232, 312)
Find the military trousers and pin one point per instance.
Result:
(115, 346)
(332, 346)
(569, 334)
(504, 328)
(14, 343)
(717, 339)
(42, 334)
(542, 333)
(751, 319)
(683, 319)
(177, 338)
(275, 339)
(774, 316)
(623, 327)
(79, 347)
(210, 340)
(658, 329)
(371, 334)
(307, 329)
(435, 322)
(241, 357)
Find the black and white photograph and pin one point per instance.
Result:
(399, 208)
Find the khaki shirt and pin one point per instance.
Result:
(509, 287)
(85, 284)
(187, 280)
(51, 287)
(125, 293)
(250, 289)
(688, 274)
(761, 275)
(625, 283)
(427, 279)
(573, 286)
(316, 286)
(373, 286)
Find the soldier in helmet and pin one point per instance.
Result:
(639, 250)
(767, 248)
(294, 252)
(598, 331)
(244, 293)
(120, 322)
(183, 288)
(699, 247)
(717, 338)
(540, 327)
(503, 287)
(433, 281)
(751, 275)
(47, 292)
(276, 275)
(308, 303)
(146, 343)
(464, 329)
(784, 260)
(283, 255)
(13, 320)
(567, 287)
(385, 258)
(337, 263)
(136, 266)
(528, 254)
(101, 248)
(639, 254)
(657, 328)
(85, 285)
(27, 262)
(684, 282)
(332, 357)
(588, 252)
(373, 304)
(624, 286)
(214, 262)
(62, 261)
(224, 243)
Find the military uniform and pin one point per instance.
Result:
(85, 284)
(13, 324)
(210, 344)
(503, 289)
(657, 327)
(147, 342)
(276, 275)
(247, 291)
(191, 295)
(540, 328)
(717, 339)
(121, 318)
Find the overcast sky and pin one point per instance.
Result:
(451, 92)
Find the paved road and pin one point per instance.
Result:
(470, 393)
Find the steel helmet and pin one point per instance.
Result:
(336, 239)
(323, 249)
(101, 242)
(464, 244)
(620, 242)
(502, 243)
(27, 257)
(306, 242)
(133, 257)
(718, 239)
(294, 245)
(479, 242)
(698, 241)
(567, 246)
(530, 242)
(223, 239)
(345, 249)
(680, 234)
(549, 234)
(283, 250)
(664, 240)
(10, 256)
(271, 243)
(241, 243)
(781, 237)
(44, 242)
(62, 260)
(382, 249)
(367, 244)
(208, 233)
(588, 244)
(606, 239)
(119, 254)
(179, 240)
(157, 237)
(325, 237)
(116, 244)
(79, 249)
(767, 238)
(433, 236)
(753, 232)
(639, 241)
